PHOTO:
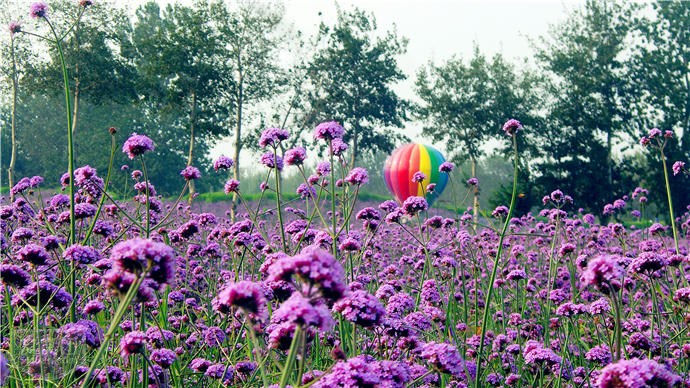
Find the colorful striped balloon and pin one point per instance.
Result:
(407, 160)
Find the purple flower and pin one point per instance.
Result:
(301, 311)
(306, 191)
(636, 373)
(271, 160)
(678, 167)
(600, 354)
(654, 132)
(295, 156)
(38, 9)
(220, 372)
(365, 371)
(132, 343)
(200, 365)
(647, 262)
(14, 276)
(83, 331)
(418, 177)
(249, 296)
(414, 205)
(14, 27)
(604, 273)
(511, 127)
(536, 354)
(93, 307)
(599, 306)
(135, 255)
(328, 131)
(34, 254)
(323, 168)
(368, 213)
(81, 254)
(682, 295)
(313, 266)
(388, 206)
(137, 145)
(473, 181)
(443, 357)
(361, 308)
(357, 176)
(338, 146)
(446, 167)
(500, 211)
(232, 186)
(272, 136)
(42, 293)
(223, 163)
(214, 336)
(163, 357)
(190, 173)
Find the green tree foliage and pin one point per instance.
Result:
(660, 97)
(465, 105)
(587, 116)
(252, 75)
(352, 79)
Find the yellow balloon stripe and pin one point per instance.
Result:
(425, 168)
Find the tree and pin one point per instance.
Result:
(351, 82)
(179, 57)
(587, 116)
(252, 41)
(464, 105)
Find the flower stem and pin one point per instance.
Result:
(70, 167)
(490, 286)
(670, 202)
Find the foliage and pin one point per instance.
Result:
(351, 82)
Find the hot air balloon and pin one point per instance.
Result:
(409, 159)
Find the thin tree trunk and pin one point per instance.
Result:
(13, 158)
(190, 156)
(355, 147)
(238, 144)
(475, 200)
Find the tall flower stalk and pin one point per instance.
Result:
(39, 11)
(511, 128)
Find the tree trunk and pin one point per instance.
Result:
(475, 200)
(13, 158)
(355, 147)
(190, 156)
(238, 143)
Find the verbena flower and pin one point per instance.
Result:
(357, 176)
(272, 137)
(413, 205)
(328, 131)
(443, 357)
(190, 173)
(232, 186)
(38, 9)
(446, 167)
(361, 308)
(137, 145)
(636, 373)
(295, 156)
(246, 295)
(271, 160)
(223, 163)
(511, 127)
(604, 273)
(132, 343)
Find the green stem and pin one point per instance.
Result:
(490, 286)
(121, 309)
(70, 168)
(670, 202)
(291, 356)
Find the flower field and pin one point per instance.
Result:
(329, 292)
